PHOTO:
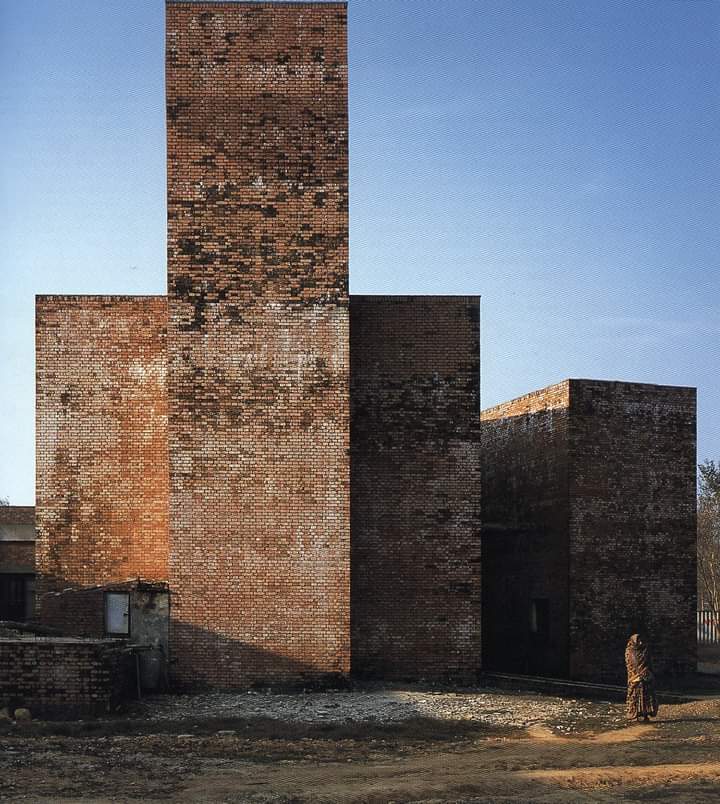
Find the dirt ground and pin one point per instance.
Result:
(571, 751)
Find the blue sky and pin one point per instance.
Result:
(561, 159)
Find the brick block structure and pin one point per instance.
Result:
(258, 340)
(589, 528)
(633, 529)
(102, 465)
(304, 468)
(415, 486)
(63, 678)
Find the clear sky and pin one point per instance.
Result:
(562, 159)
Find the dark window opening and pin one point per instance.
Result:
(17, 596)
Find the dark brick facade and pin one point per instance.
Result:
(589, 506)
(258, 340)
(17, 562)
(17, 538)
(415, 483)
(526, 511)
(633, 525)
(17, 557)
(102, 467)
(17, 515)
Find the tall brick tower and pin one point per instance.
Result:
(258, 339)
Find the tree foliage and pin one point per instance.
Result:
(709, 536)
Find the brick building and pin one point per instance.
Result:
(17, 562)
(589, 528)
(204, 440)
(302, 468)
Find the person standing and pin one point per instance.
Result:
(641, 697)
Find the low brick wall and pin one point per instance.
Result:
(64, 678)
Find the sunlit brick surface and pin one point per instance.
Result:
(102, 466)
(258, 340)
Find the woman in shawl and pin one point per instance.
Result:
(641, 700)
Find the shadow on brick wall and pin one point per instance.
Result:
(193, 657)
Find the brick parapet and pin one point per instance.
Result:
(17, 557)
(17, 542)
(17, 514)
(525, 459)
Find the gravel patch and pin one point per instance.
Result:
(488, 707)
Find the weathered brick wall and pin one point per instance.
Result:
(102, 466)
(525, 531)
(589, 498)
(258, 340)
(415, 484)
(74, 611)
(63, 678)
(632, 526)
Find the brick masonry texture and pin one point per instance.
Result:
(415, 486)
(101, 434)
(612, 538)
(58, 678)
(258, 340)
(17, 515)
(526, 511)
(17, 557)
(632, 525)
(230, 438)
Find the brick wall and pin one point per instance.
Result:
(589, 495)
(102, 476)
(61, 678)
(632, 526)
(525, 532)
(74, 611)
(258, 340)
(17, 556)
(415, 484)
(17, 515)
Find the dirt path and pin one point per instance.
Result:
(630, 765)
(675, 758)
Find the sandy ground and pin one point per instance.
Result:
(473, 746)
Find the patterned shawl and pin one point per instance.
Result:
(637, 660)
